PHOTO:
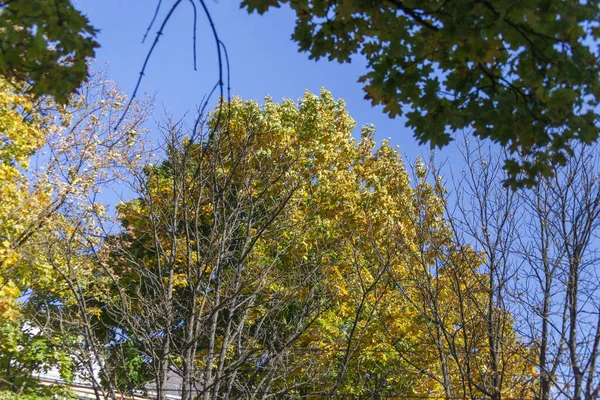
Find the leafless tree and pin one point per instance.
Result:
(538, 258)
(559, 289)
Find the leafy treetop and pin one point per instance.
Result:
(320, 221)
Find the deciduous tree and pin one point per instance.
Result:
(273, 254)
(55, 160)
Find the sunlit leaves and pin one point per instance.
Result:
(20, 137)
(53, 164)
(338, 226)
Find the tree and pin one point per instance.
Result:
(540, 255)
(215, 280)
(520, 73)
(560, 286)
(47, 44)
(272, 254)
(484, 214)
(54, 162)
(22, 136)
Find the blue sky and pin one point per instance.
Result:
(264, 60)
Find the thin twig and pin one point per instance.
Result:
(153, 19)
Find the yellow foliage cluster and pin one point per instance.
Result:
(20, 137)
(353, 223)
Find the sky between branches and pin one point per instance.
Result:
(264, 61)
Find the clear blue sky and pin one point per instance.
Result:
(264, 60)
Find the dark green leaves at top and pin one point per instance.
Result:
(518, 72)
(45, 43)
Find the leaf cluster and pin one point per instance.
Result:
(47, 44)
(520, 73)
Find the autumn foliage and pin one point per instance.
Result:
(269, 252)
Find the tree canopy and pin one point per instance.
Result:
(53, 162)
(279, 255)
(268, 251)
(521, 73)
